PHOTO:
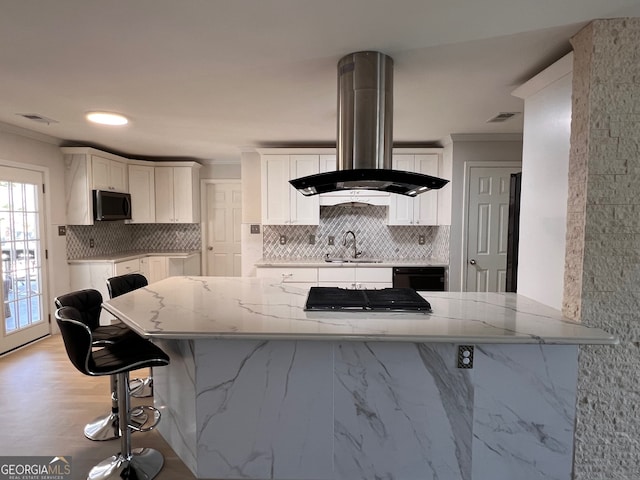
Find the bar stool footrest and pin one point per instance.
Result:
(150, 413)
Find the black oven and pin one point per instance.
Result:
(427, 279)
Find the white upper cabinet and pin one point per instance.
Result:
(429, 208)
(162, 192)
(143, 193)
(281, 203)
(177, 193)
(88, 169)
(109, 174)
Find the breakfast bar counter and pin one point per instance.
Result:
(260, 388)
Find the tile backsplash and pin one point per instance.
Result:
(374, 237)
(117, 237)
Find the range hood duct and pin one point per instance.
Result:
(365, 125)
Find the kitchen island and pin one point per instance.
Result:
(259, 388)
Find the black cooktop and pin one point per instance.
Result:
(385, 299)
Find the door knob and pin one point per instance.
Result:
(209, 248)
(472, 261)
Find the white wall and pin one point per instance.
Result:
(545, 163)
(251, 212)
(464, 149)
(28, 148)
(220, 170)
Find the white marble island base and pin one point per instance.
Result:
(285, 409)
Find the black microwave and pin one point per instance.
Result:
(111, 205)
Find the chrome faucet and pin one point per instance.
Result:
(356, 253)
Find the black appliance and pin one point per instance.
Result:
(111, 205)
(513, 236)
(426, 279)
(385, 299)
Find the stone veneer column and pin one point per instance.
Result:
(602, 271)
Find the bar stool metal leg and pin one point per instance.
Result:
(139, 463)
(105, 427)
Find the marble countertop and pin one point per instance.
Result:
(254, 308)
(121, 257)
(319, 262)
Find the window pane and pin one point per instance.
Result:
(30, 197)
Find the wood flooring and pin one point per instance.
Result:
(45, 403)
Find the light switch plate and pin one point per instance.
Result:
(421, 240)
(332, 240)
(62, 230)
(255, 228)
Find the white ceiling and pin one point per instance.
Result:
(206, 79)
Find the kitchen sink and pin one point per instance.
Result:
(351, 260)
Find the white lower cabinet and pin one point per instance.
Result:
(94, 274)
(161, 266)
(157, 268)
(342, 277)
(303, 277)
(127, 266)
(337, 277)
(374, 277)
(355, 277)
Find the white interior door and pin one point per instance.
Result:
(223, 219)
(487, 228)
(24, 315)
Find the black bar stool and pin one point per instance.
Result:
(88, 302)
(119, 285)
(118, 359)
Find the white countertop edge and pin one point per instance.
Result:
(522, 339)
(132, 256)
(461, 340)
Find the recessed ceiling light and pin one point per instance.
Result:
(106, 118)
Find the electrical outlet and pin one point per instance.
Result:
(332, 240)
(255, 228)
(62, 230)
(312, 239)
(465, 356)
(283, 239)
(421, 240)
(92, 243)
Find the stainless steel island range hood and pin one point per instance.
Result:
(365, 124)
